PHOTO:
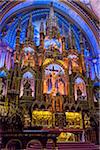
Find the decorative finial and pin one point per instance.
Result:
(51, 15)
(19, 23)
(81, 40)
(63, 30)
(51, 4)
(42, 26)
(71, 38)
(30, 29)
(51, 24)
(30, 20)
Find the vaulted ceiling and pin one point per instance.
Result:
(66, 10)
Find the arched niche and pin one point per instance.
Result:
(80, 89)
(14, 144)
(55, 80)
(27, 84)
(34, 144)
(3, 83)
(96, 91)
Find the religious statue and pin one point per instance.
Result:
(86, 120)
(54, 89)
(1, 86)
(61, 87)
(79, 92)
(27, 120)
(27, 87)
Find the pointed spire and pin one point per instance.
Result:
(82, 51)
(51, 14)
(30, 20)
(81, 41)
(42, 26)
(18, 27)
(19, 24)
(63, 38)
(63, 30)
(71, 38)
(18, 35)
(42, 33)
(30, 30)
(51, 24)
(73, 41)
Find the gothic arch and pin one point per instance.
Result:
(78, 108)
(34, 142)
(80, 88)
(80, 76)
(55, 80)
(35, 105)
(56, 63)
(42, 103)
(29, 80)
(72, 108)
(66, 107)
(28, 69)
(49, 106)
(15, 141)
(42, 106)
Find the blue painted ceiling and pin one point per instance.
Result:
(40, 9)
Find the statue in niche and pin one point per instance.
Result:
(82, 92)
(87, 120)
(53, 82)
(1, 86)
(57, 103)
(27, 89)
(61, 87)
(56, 85)
(27, 120)
(96, 92)
(49, 84)
(79, 92)
(80, 89)
(75, 63)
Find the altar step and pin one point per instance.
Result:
(67, 146)
(77, 146)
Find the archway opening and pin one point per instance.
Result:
(34, 144)
(27, 85)
(14, 144)
(80, 89)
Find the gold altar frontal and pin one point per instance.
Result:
(47, 119)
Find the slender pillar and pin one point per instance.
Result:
(83, 136)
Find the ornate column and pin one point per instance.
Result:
(71, 89)
(90, 98)
(83, 136)
(38, 83)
